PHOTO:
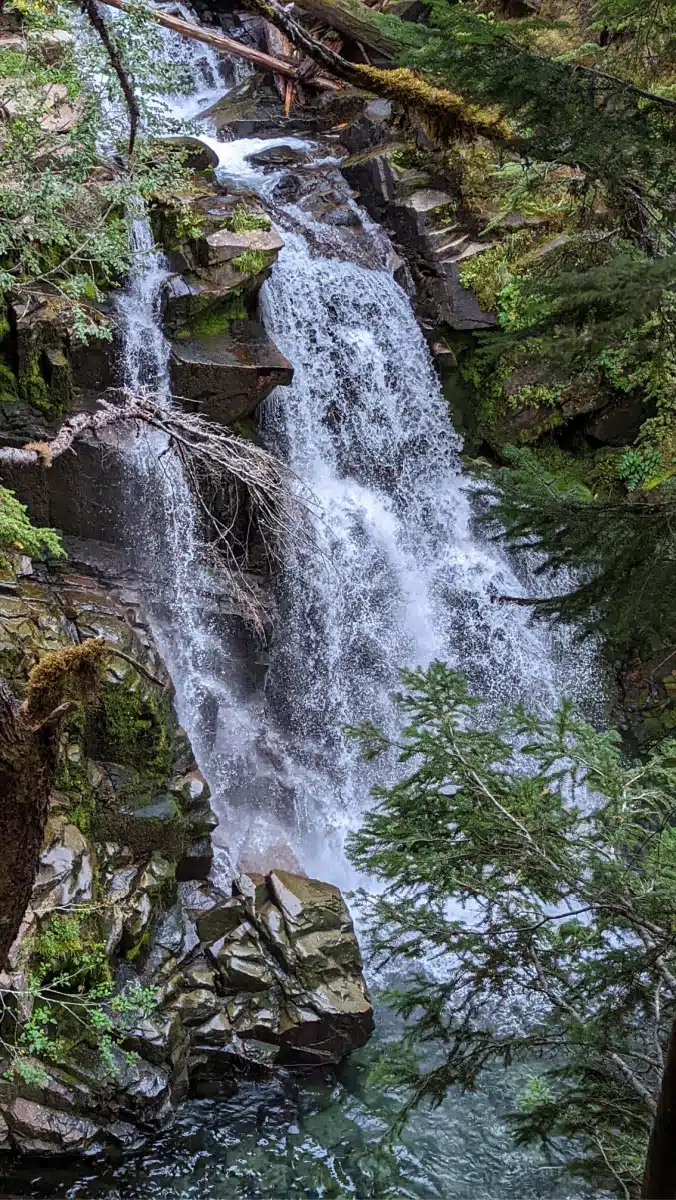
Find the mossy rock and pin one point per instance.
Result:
(143, 836)
(131, 727)
(215, 319)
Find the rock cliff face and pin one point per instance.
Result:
(221, 358)
(261, 973)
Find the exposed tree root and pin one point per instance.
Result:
(255, 489)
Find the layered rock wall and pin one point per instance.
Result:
(243, 978)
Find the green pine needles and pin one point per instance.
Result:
(536, 868)
(622, 554)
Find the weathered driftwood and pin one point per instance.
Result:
(354, 20)
(280, 47)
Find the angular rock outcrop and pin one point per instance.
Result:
(228, 375)
(244, 978)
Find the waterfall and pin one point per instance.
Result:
(398, 575)
(187, 603)
(402, 576)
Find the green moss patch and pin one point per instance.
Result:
(131, 727)
(251, 262)
(216, 320)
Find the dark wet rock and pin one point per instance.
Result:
(36, 1129)
(618, 422)
(196, 863)
(220, 921)
(228, 375)
(197, 155)
(278, 156)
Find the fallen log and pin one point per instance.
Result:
(444, 113)
(219, 41)
(355, 20)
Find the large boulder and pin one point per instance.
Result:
(228, 375)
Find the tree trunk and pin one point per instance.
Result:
(28, 760)
(353, 19)
(659, 1180)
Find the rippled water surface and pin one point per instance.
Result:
(322, 1139)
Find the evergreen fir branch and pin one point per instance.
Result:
(537, 868)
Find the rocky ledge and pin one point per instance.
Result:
(236, 979)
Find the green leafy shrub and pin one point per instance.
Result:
(72, 1000)
(487, 274)
(636, 467)
(17, 532)
(68, 954)
(243, 220)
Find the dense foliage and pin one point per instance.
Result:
(65, 180)
(623, 554)
(582, 282)
(18, 534)
(536, 869)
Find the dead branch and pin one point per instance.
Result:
(110, 649)
(97, 22)
(526, 601)
(353, 19)
(42, 453)
(54, 717)
(226, 44)
(254, 484)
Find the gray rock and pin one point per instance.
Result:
(65, 875)
(224, 245)
(228, 375)
(278, 156)
(165, 809)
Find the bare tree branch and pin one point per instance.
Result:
(90, 9)
(214, 460)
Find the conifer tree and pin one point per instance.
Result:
(535, 868)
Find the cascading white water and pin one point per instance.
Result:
(403, 577)
(183, 595)
(399, 576)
